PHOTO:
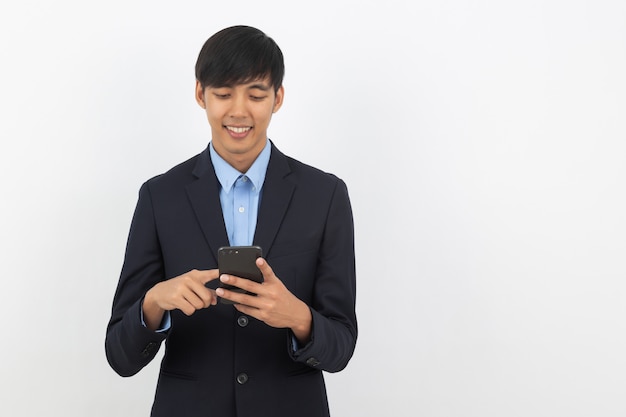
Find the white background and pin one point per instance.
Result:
(483, 144)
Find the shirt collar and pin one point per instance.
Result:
(227, 175)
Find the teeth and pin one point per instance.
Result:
(238, 129)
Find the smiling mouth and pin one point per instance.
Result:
(236, 129)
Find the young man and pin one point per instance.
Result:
(262, 355)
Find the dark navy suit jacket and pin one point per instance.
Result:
(216, 362)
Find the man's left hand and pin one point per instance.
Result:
(273, 304)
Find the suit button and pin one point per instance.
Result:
(242, 378)
(312, 362)
(149, 349)
(242, 321)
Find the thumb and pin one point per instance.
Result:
(266, 269)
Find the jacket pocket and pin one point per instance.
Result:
(180, 375)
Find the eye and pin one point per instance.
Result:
(221, 96)
(257, 98)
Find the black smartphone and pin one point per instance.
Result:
(241, 262)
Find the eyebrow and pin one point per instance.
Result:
(255, 86)
(259, 86)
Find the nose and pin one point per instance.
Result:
(238, 108)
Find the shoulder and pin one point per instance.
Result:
(307, 171)
(307, 175)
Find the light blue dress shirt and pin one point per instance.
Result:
(240, 197)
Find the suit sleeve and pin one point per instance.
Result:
(129, 345)
(334, 327)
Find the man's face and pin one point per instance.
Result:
(239, 116)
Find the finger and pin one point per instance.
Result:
(243, 283)
(236, 297)
(207, 275)
(205, 294)
(187, 308)
(247, 310)
(223, 293)
(196, 283)
(194, 300)
(213, 297)
(266, 269)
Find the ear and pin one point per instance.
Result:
(278, 100)
(200, 95)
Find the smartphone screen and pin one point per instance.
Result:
(239, 261)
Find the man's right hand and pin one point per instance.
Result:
(186, 292)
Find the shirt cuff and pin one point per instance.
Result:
(295, 345)
(166, 322)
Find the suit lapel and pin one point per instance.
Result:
(205, 199)
(204, 196)
(277, 192)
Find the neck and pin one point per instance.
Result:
(240, 161)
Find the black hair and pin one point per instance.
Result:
(237, 55)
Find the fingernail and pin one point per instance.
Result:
(224, 278)
(219, 291)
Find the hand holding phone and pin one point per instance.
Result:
(239, 261)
